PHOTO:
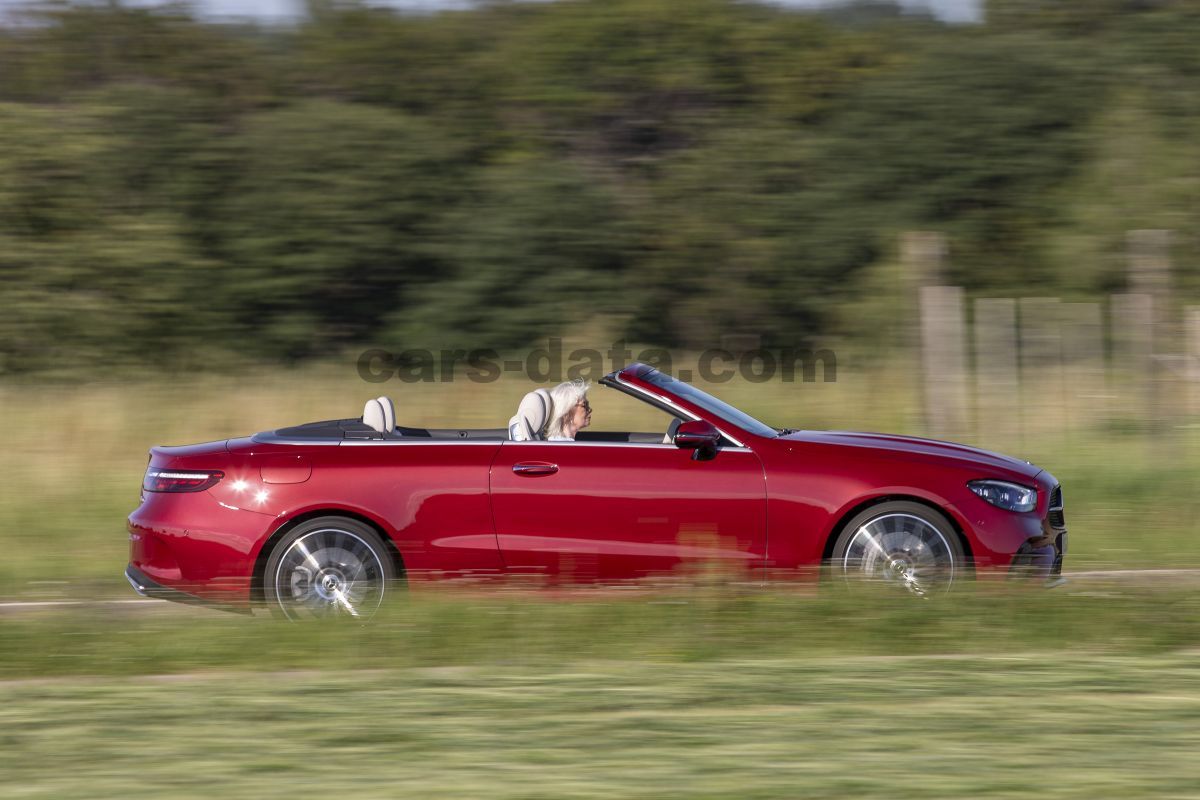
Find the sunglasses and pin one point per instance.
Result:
(587, 408)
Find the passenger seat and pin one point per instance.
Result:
(532, 415)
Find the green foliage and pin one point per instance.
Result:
(482, 178)
(84, 279)
(734, 222)
(969, 140)
(537, 248)
(327, 221)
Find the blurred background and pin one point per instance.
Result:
(989, 211)
(182, 194)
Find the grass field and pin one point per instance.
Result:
(678, 625)
(1018, 725)
(709, 692)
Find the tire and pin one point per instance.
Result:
(905, 544)
(328, 567)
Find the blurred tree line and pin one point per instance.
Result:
(174, 191)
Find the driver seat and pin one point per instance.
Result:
(532, 415)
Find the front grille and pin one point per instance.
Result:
(1055, 515)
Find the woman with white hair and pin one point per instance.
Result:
(570, 411)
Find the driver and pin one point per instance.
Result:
(570, 411)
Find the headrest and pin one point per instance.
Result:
(389, 413)
(375, 415)
(532, 415)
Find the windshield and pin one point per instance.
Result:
(708, 402)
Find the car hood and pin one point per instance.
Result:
(915, 446)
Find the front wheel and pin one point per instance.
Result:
(907, 545)
(328, 567)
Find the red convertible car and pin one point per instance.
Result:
(329, 517)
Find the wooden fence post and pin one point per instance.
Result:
(1042, 396)
(1133, 349)
(943, 360)
(1083, 364)
(1191, 322)
(1149, 262)
(996, 386)
(1149, 253)
(922, 258)
(923, 254)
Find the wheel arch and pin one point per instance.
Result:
(857, 508)
(257, 577)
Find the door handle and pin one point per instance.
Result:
(535, 468)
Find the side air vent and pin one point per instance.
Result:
(1055, 516)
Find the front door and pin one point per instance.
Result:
(613, 510)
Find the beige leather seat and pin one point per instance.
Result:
(380, 414)
(528, 424)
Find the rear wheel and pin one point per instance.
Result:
(908, 545)
(328, 567)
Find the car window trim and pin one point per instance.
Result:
(662, 403)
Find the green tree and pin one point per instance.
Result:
(86, 282)
(539, 249)
(971, 139)
(329, 223)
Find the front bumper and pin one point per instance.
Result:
(1040, 561)
(1042, 556)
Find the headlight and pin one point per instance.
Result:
(1008, 496)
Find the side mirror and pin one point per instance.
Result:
(697, 434)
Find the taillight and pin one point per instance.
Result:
(180, 480)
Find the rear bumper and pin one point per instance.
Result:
(190, 543)
(146, 587)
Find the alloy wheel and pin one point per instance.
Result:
(329, 572)
(904, 550)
